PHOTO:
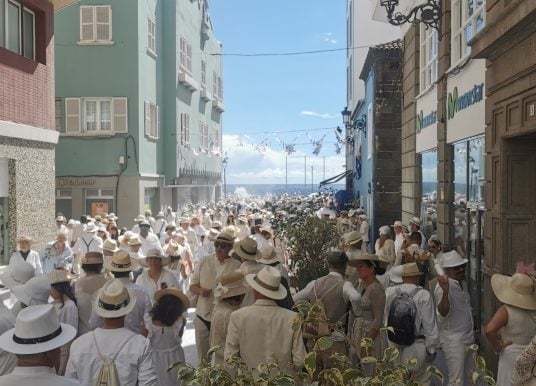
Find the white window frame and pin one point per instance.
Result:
(203, 74)
(22, 9)
(94, 23)
(217, 139)
(215, 84)
(185, 55)
(461, 20)
(203, 130)
(75, 116)
(152, 120)
(185, 129)
(151, 36)
(428, 53)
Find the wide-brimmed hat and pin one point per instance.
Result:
(140, 218)
(232, 289)
(24, 238)
(216, 224)
(385, 230)
(164, 260)
(110, 245)
(517, 290)
(225, 237)
(37, 330)
(171, 226)
(134, 240)
(184, 220)
(92, 258)
(247, 249)
(18, 272)
(395, 274)
(212, 234)
(173, 248)
(452, 259)
(144, 223)
(90, 228)
(112, 217)
(121, 262)
(61, 218)
(352, 238)
(268, 283)
(410, 269)
(268, 230)
(269, 255)
(34, 291)
(173, 292)
(397, 223)
(57, 276)
(231, 230)
(160, 215)
(368, 257)
(416, 221)
(114, 300)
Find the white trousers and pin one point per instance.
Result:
(202, 339)
(460, 362)
(416, 351)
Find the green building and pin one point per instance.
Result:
(138, 106)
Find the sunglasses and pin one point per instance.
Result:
(221, 245)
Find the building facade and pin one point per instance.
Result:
(138, 107)
(27, 135)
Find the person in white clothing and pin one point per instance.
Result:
(8, 361)
(188, 233)
(455, 319)
(157, 277)
(87, 242)
(426, 332)
(36, 340)
(160, 225)
(25, 253)
(138, 320)
(415, 226)
(170, 216)
(364, 231)
(400, 236)
(132, 352)
(148, 240)
(35, 291)
(205, 218)
(168, 234)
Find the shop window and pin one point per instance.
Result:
(64, 202)
(151, 200)
(477, 177)
(99, 201)
(4, 201)
(468, 18)
(429, 192)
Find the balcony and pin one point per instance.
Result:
(205, 94)
(217, 104)
(188, 81)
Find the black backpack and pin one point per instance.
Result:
(401, 318)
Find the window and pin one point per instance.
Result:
(96, 24)
(203, 74)
(215, 84)
(467, 20)
(185, 55)
(58, 107)
(220, 88)
(151, 36)
(428, 57)
(96, 115)
(185, 129)
(216, 140)
(203, 129)
(152, 120)
(99, 201)
(17, 30)
(429, 192)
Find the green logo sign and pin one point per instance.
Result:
(423, 121)
(457, 103)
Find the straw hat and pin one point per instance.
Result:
(110, 245)
(234, 289)
(18, 272)
(173, 292)
(34, 291)
(140, 218)
(352, 238)
(368, 257)
(268, 283)
(452, 259)
(37, 330)
(216, 224)
(269, 255)
(160, 215)
(517, 290)
(112, 217)
(92, 258)
(164, 260)
(416, 221)
(121, 262)
(61, 219)
(24, 238)
(90, 228)
(385, 230)
(247, 249)
(212, 234)
(173, 248)
(171, 226)
(114, 300)
(57, 276)
(225, 237)
(397, 223)
(267, 230)
(134, 240)
(410, 269)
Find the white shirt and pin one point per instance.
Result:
(7, 321)
(425, 320)
(32, 258)
(399, 240)
(149, 242)
(160, 227)
(134, 362)
(457, 326)
(67, 313)
(166, 278)
(364, 231)
(37, 375)
(87, 239)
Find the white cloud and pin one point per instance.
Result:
(248, 164)
(319, 115)
(329, 38)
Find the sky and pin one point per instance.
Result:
(273, 101)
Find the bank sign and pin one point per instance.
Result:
(457, 103)
(424, 121)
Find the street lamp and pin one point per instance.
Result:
(429, 13)
(224, 164)
(359, 124)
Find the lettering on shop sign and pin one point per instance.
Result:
(425, 120)
(74, 181)
(457, 103)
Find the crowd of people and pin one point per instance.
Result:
(104, 303)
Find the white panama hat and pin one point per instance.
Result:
(268, 283)
(114, 300)
(37, 330)
(269, 255)
(452, 259)
(247, 249)
(18, 272)
(34, 291)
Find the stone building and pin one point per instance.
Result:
(27, 135)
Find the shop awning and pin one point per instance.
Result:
(335, 179)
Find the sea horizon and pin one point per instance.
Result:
(280, 189)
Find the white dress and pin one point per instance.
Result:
(167, 349)
(67, 313)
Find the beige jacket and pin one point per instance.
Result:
(262, 331)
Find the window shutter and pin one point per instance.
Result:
(147, 118)
(120, 119)
(187, 128)
(103, 23)
(72, 115)
(157, 126)
(87, 19)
